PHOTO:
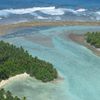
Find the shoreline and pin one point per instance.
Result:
(4, 82)
(80, 40)
(23, 76)
(5, 28)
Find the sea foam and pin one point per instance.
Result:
(49, 12)
(46, 10)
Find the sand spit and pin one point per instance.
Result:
(81, 40)
(5, 28)
(20, 76)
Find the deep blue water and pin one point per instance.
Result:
(28, 10)
(5, 4)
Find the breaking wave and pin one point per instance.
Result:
(50, 12)
(45, 10)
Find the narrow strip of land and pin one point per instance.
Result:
(5, 28)
(81, 40)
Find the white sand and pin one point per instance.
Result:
(20, 76)
(98, 49)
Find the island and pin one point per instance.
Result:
(93, 38)
(15, 60)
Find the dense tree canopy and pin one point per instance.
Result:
(15, 61)
(93, 38)
(8, 96)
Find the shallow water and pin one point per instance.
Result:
(79, 67)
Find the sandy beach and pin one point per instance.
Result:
(5, 28)
(20, 76)
(23, 76)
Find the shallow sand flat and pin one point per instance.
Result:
(41, 39)
(5, 28)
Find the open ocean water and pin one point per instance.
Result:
(14, 11)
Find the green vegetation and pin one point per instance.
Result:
(8, 96)
(93, 38)
(15, 61)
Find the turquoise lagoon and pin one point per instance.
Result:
(79, 67)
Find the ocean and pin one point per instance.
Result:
(15, 11)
